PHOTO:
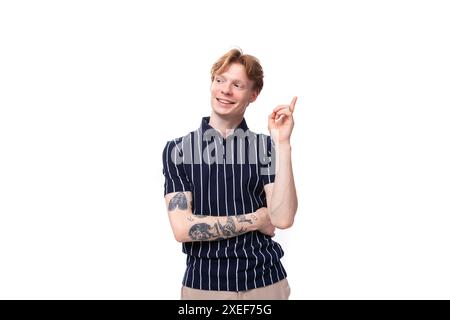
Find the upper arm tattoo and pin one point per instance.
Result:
(178, 201)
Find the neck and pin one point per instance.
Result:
(225, 126)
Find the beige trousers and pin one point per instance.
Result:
(277, 291)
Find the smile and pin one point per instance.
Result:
(224, 101)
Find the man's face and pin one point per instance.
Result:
(232, 92)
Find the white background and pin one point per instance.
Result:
(90, 91)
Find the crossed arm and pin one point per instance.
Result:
(188, 227)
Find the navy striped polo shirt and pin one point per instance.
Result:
(226, 177)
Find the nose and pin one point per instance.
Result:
(226, 89)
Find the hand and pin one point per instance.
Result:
(265, 225)
(281, 122)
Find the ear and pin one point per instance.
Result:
(253, 96)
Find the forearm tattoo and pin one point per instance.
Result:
(217, 231)
(201, 231)
(243, 218)
(233, 226)
(179, 201)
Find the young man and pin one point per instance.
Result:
(222, 196)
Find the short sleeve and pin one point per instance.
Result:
(268, 160)
(173, 169)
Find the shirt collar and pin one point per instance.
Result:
(205, 125)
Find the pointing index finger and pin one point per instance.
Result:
(292, 105)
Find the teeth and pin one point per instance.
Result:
(224, 101)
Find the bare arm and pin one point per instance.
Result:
(188, 227)
(281, 195)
